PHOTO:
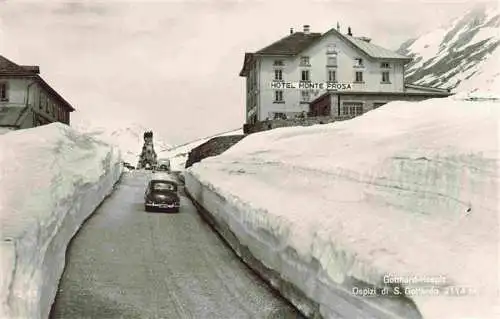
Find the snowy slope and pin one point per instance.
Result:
(178, 154)
(394, 193)
(128, 138)
(462, 55)
(52, 179)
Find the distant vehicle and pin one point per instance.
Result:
(163, 165)
(162, 194)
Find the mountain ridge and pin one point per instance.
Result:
(454, 54)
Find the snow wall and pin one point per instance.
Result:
(397, 193)
(52, 179)
(301, 282)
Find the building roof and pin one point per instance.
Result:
(373, 50)
(297, 42)
(292, 44)
(247, 62)
(410, 90)
(421, 88)
(9, 68)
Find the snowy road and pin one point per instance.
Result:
(125, 263)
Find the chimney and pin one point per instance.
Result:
(338, 26)
(349, 32)
(307, 28)
(291, 30)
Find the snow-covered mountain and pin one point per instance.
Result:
(462, 55)
(128, 138)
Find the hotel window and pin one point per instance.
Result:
(384, 65)
(352, 108)
(331, 49)
(46, 102)
(358, 62)
(359, 76)
(305, 96)
(305, 75)
(3, 92)
(278, 63)
(304, 61)
(278, 75)
(279, 116)
(278, 96)
(332, 76)
(331, 60)
(385, 77)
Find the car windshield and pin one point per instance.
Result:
(159, 186)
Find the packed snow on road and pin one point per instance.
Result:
(52, 178)
(403, 196)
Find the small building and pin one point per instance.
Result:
(348, 104)
(332, 73)
(26, 100)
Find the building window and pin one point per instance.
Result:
(278, 96)
(279, 116)
(384, 65)
(305, 75)
(359, 76)
(358, 62)
(352, 108)
(305, 96)
(3, 92)
(332, 61)
(304, 61)
(385, 77)
(332, 76)
(331, 49)
(278, 75)
(279, 63)
(47, 105)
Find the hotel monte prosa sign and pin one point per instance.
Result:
(308, 85)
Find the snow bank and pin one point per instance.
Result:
(51, 179)
(407, 192)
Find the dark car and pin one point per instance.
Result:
(163, 165)
(161, 194)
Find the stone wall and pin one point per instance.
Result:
(271, 124)
(212, 147)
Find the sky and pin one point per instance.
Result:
(172, 66)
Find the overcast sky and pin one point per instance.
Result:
(173, 65)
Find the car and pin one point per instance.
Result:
(162, 194)
(163, 165)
